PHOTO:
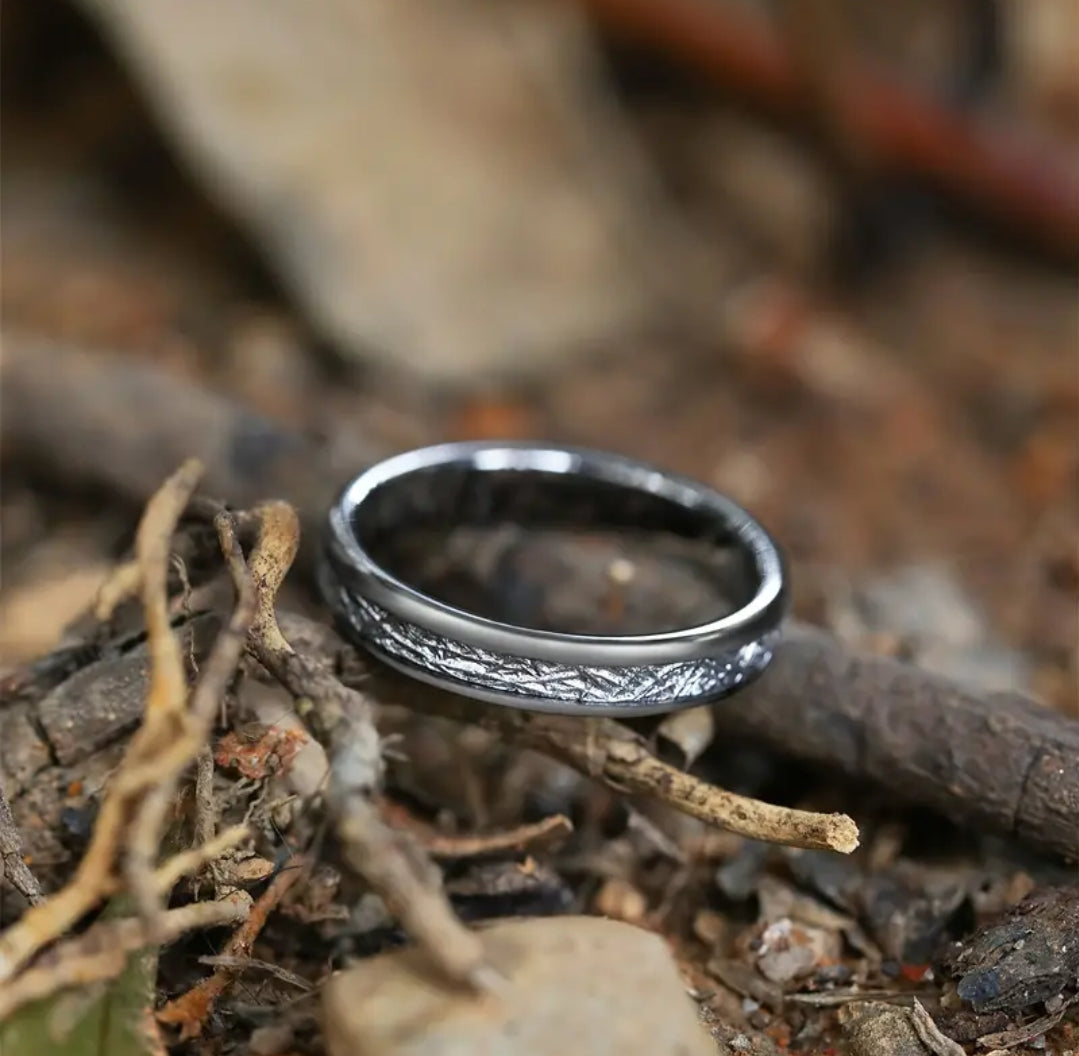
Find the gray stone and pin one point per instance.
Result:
(575, 985)
(929, 609)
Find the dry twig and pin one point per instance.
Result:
(476, 845)
(395, 868)
(43, 923)
(1008, 1039)
(189, 1011)
(607, 750)
(205, 808)
(191, 861)
(148, 822)
(166, 743)
(103, 951)
(246, 964)
(930, 1034)
(123, 583)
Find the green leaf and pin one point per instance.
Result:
(100, 1019)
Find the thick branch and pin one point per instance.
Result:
(127, 424)
(997, 761)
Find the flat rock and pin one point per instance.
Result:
(576, 984)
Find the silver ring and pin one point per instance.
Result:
(484, 484)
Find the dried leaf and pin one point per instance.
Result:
(110, 1018)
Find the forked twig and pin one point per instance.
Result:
(190, 1010)
(394, 866)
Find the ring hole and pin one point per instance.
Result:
(554, 552)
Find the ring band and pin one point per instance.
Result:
(484, 484)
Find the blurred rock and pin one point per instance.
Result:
(928, 609)
(442, 187)
(618, 899)
(576, 984)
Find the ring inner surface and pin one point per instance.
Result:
(558, 552)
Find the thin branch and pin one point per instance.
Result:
(549, 830)
(248, 964)
(612, 753)
(190, 1010)
(125, 581)
(147, 824)
(191, 861)
(205, 808)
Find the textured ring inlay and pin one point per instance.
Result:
(478, 483)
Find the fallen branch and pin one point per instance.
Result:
(103, 951)
(190, 1010)
(996, 761)
(404, 878)
(127, 424)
